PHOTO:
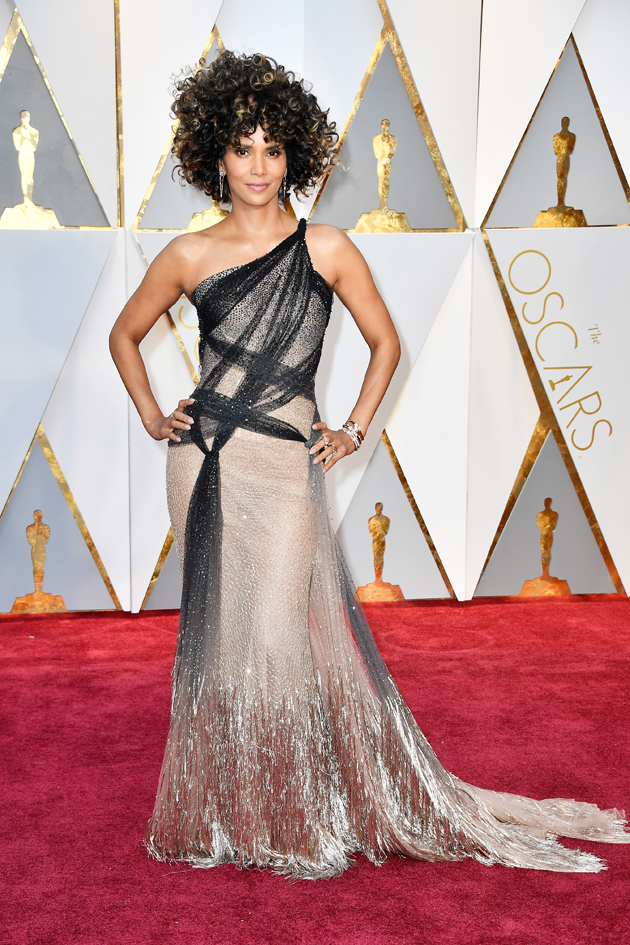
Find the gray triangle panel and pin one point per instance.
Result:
(575, 556)
(69, 571)
(61, 183)
(167, 590)
(593, 184)
(173, 203)
(415, 185)
(408, 560)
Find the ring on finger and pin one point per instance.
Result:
(325, 439)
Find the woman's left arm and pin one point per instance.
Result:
(353, 283)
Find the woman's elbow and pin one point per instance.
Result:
(119, 340)
(397, 351)
(114, 339)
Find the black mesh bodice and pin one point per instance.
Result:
(261, 329)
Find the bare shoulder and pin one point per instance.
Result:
(185, 257)
(333, 253)
(184, 249)
(327, 239)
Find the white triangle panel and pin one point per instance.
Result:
(502, 414)
(273, 29)
(153, 243)
(47, 281)
(6, 12)
(170, 383)
(413, 273)
(157, 43)
(579, 337)
(429, 427)
(602, 34)
(520, 46)
(86, 422)
(75, 43)
(441, 45)
(338, 43)
(183, 312)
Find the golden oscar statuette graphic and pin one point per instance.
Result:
(40, 602)
(383, 220)
(27, 215)
(546, 585)
(563, 145)
(378, 526)
(214, 214)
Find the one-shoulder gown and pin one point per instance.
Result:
(289, 744)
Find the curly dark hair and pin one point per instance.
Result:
(220, 103)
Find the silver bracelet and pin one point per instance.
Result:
(354, 432)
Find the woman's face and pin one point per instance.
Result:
(255, 169)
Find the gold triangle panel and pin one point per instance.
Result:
(43, 181)
(73, 570)
(565, 171)
(526, 536)
(120, 159)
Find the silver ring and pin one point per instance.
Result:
(325, 439)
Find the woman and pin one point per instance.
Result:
(289, 745)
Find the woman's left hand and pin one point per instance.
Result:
(333, 445)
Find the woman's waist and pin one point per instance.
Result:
(273, 416)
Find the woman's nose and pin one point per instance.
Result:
(258, 166)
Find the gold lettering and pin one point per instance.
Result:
(569, 367)
(181, 320)
(610, 429)
(548, 325)
(582, 409)
(538, 320)
(526, 291)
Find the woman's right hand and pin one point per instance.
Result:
(163, 428)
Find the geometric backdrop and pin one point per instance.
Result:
(513, 383)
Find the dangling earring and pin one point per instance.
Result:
(221, 176)
(284, 186)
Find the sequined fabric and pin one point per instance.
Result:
(290, 745)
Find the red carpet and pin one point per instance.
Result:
(526, 697)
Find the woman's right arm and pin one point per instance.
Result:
(160, 289)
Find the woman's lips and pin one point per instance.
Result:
(258, 187)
